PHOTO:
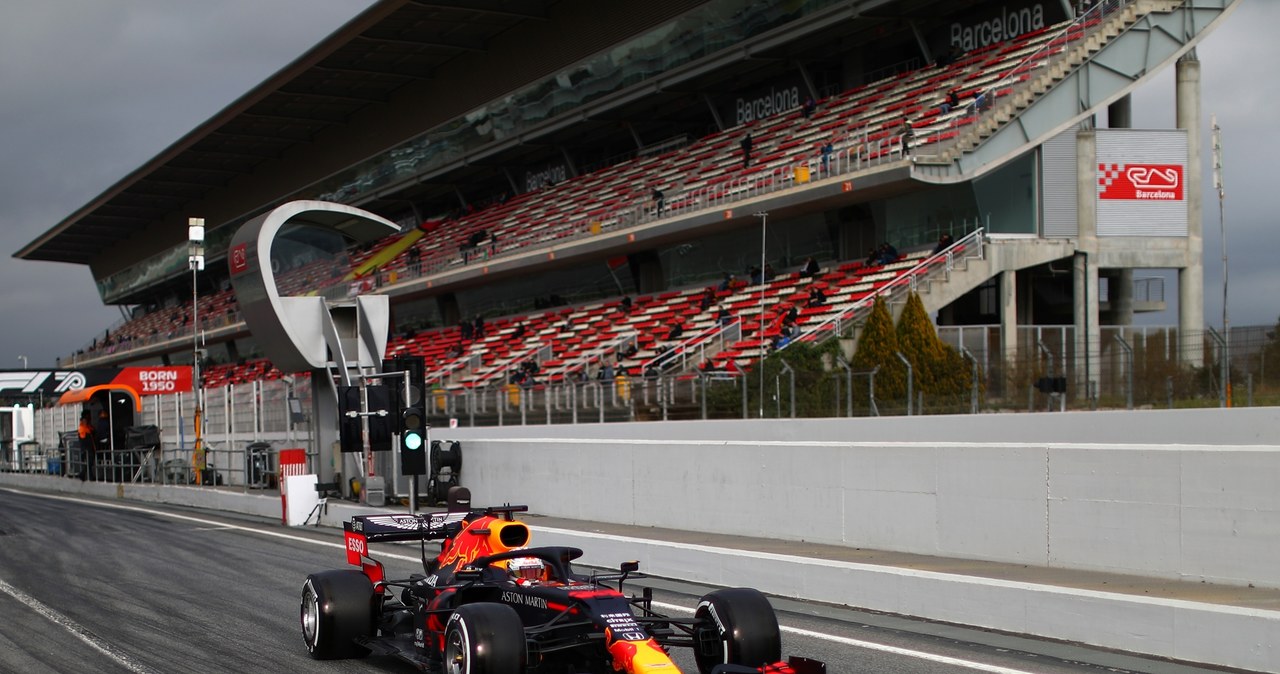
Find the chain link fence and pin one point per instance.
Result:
(1046, 369)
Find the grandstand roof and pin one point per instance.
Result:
(364, 69)
(393, 43)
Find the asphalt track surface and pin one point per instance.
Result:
(93, 586)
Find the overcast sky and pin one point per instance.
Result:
(93, 89)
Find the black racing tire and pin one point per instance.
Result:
(337, 608)
(484, 638)
(735, 627)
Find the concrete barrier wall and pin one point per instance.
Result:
(1109, 501)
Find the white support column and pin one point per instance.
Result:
(1084, 301)
(1009, 317)
(1191, 274)
(1085, 280)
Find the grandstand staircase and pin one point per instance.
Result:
(1061, 66)
(1000, 255)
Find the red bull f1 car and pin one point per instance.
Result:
(487, 603)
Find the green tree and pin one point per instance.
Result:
(938, 370)
(878, 347)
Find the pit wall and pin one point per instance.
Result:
(1188, 494)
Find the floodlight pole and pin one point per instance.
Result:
(195, 260)
(1222, 228)
(764, 229)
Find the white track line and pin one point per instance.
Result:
(871, 645)
(73, 627)
(931, 657)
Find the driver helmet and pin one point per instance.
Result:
(526, 569)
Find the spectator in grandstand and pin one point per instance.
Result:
(816, 297)
(722, 316)
(629, 351)
(625, 304)
(809, 106)
(754, 274)
(707, 298)
(478, 326)
(944, 242)
(792, 314)
(659, 200)
(675, 331)
(605, 373)
(788, 327)
(951, 102)
(908, 135)
(727, 282)
(454, 351)
(981, 101)
(887, 253)
(873, 258)
(518, 332)
(769, 273)
(517, 377)
(88, 445)
(746, 144)
(466, 327)
(827, 149)
(810, 268)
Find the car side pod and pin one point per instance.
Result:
(793, 665)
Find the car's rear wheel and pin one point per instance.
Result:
(484, 639)
(337, 608)
(735, 627)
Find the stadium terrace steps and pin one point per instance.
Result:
(863, 121)
(1074, 50)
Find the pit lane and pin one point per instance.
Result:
(111, 586)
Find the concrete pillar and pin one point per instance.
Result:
(1084, 299)
(1191, 274)
(1121, 295)
(1084, 278)
(1087, 190)
(1120, 113)
(1009, 317)
(324, 405)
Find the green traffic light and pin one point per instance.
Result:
(412, 441)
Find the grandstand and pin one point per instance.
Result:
(524, 169)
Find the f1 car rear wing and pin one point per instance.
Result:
(424, 526)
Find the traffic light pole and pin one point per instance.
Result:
(412, 432)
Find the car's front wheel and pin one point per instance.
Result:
(337, 608)
(736, 627)
(484, 639)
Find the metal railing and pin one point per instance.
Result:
(1121, 368)
(936, 265)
